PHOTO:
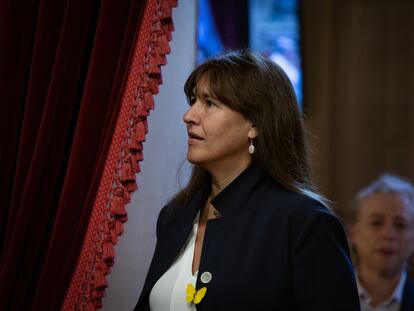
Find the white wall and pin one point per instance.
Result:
(164, 151)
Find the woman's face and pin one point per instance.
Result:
(383, 234)
(218, 137)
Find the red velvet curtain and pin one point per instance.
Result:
(63, 69)
(118, 179)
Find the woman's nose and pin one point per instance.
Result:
(388, 232)
(191, 115)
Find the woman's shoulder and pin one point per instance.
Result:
(306, 202)
(304, 219)
(297, 209)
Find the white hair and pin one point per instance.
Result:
(386, 183)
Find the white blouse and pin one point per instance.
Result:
(169, 292)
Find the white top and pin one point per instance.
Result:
(169, 293)
(393, 303)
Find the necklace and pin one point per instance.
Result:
(216, 213)
(212, 212)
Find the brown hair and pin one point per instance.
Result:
(259, 89)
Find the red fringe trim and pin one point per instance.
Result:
(119, 177)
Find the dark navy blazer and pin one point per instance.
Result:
(272, 249)
(407, 303)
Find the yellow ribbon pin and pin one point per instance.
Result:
(193, 295)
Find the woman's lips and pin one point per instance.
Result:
(194, 138)
(387, 251)
(194, 135)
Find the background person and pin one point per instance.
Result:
(382, 235)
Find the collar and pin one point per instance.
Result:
(235, 195)
(231, 199)
(396, 296)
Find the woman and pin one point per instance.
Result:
(382, 236)
(248, 232)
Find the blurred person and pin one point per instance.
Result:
(382, 237)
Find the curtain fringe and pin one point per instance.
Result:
(118, 182)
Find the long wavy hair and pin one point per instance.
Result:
(260, 90)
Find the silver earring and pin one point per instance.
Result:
(251, 147)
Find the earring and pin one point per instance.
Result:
(251, 147)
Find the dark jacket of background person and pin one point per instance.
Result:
(407, 303)
(271, 250)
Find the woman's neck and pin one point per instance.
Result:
(379, 286)
(222, 178)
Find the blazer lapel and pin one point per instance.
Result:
(233, 198)
(171, 243)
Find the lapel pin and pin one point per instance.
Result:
(206, 277)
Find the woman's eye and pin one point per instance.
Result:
(375, 223)
(209, 103)
(400, 225)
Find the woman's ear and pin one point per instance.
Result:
(252, 134)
